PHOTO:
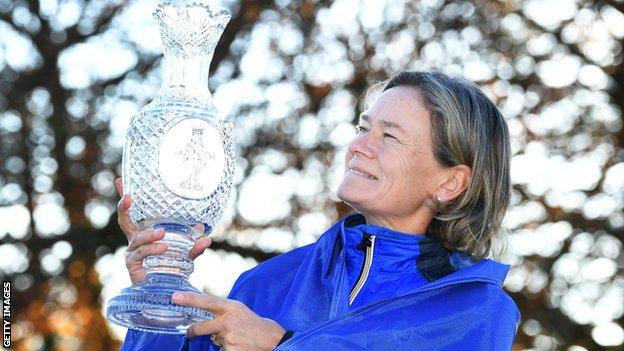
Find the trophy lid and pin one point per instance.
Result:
(190, 28)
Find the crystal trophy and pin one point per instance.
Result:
(178, 166)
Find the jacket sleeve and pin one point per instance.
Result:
(485, 320)
(501, 328)
(142, 341)
(446, 337)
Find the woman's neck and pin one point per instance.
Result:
(416, 223)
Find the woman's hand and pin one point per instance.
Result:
(144, 243)
(235, 327)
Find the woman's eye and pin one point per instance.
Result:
(360, 129)
(389, 136)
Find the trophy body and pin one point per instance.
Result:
(178, 166)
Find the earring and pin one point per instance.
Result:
(438, 198)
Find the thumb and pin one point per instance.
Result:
(119, 186)
(200, 246)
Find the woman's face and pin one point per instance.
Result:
(390, 169)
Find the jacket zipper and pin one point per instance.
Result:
(369, 241)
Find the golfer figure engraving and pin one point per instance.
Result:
(194, 160)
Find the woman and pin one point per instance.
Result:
(428, 173)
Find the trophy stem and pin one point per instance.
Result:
(147, 305)
(187, 75)
(180, 239)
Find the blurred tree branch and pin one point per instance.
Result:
(73, 178)
(617, 5)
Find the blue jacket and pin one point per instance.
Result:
(364, 287)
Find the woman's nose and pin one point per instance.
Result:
(361, 145)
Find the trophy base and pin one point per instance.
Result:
(146, 306)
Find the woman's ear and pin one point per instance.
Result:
(457, 181)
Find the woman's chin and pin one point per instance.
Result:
(349, 195)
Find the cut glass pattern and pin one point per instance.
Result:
(178, 167)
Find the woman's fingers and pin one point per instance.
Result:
(199, 227)
(234, 325)
(200, 246)
(208, 327)
(214, 304)
(119, 186)
(135, 267)
(123, 216)
(136, 257)
(123, 210)
(142, 245)
(123, 206)
(145, 237)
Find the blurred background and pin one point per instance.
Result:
(289, 75)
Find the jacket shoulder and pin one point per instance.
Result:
(279, 267)
(495, 316)
(493, 301)
(281, 263)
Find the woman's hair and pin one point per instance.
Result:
(467, 129)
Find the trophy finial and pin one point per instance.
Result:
(190, 28)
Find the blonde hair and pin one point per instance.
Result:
(467, 129)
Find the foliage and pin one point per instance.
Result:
(290, 75)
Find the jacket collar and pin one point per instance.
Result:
(431, 258)
(435, 262)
